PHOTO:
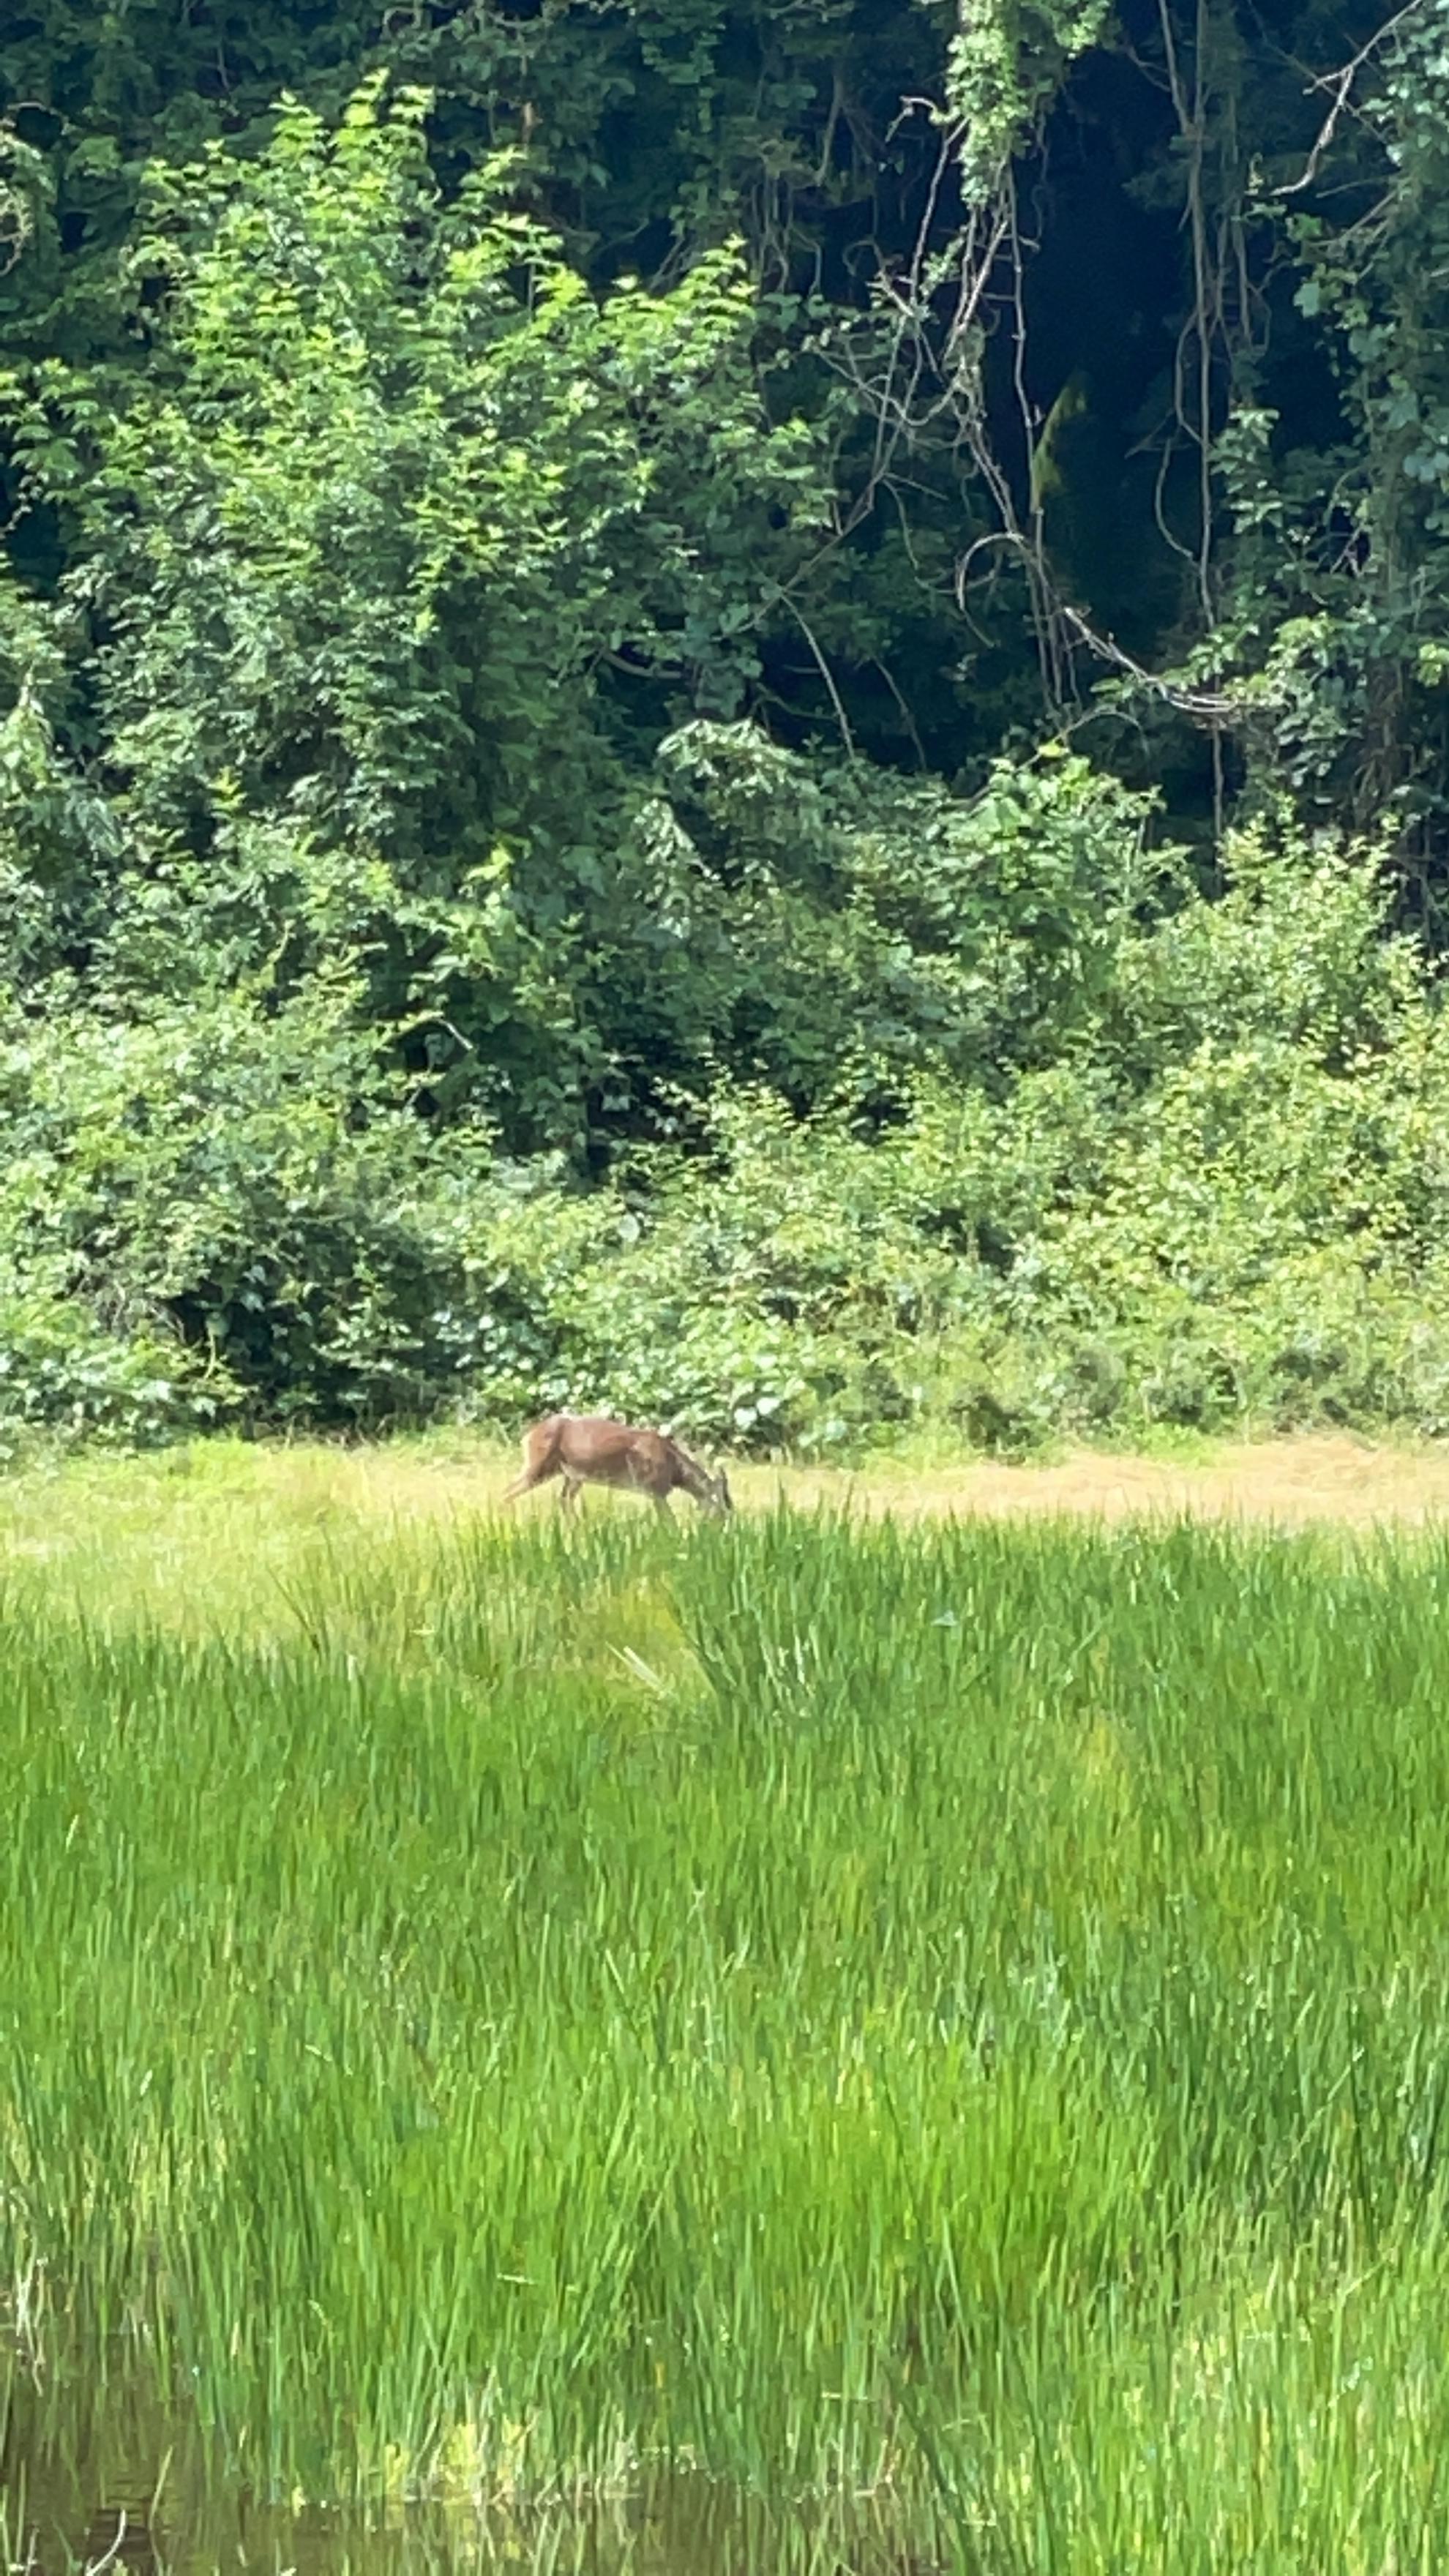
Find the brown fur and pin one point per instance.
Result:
(589, 1449)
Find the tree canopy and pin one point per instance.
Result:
(615, 615)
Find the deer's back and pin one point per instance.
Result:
(610, 1453)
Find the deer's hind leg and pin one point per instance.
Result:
(539, 1463)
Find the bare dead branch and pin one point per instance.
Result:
(1341, 84)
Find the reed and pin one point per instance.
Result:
(951, 2020)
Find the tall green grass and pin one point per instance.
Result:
(951, 2020)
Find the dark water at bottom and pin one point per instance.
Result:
(89, 2480)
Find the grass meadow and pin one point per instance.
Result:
(935, 2034)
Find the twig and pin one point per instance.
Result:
(1206, 706)
(94, 2566)
(826, 674)
(1341, 83)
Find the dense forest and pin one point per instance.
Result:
(733, 707)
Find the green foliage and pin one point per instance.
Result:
(236, 1162)
(1340, 572)
(437, 489)
(210, 1209)
(1226, 1205)
(1006, 63)
(480, 497)
(1033, 1157)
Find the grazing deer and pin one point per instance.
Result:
(589, 1449)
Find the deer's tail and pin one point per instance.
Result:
(540, 1457)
